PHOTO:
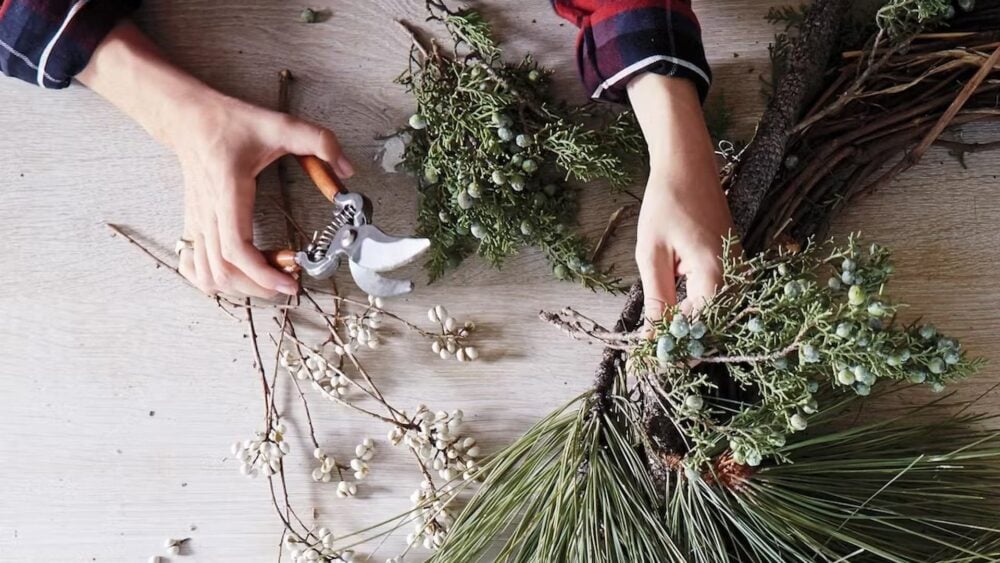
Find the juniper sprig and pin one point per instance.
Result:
(903, 18)
(495, 154)
(796, 331)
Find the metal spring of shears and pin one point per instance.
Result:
(321, 242)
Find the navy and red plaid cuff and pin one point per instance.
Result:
(620, 39)
(48, 42)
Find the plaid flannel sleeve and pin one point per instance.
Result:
(48, 42)
(620, 39)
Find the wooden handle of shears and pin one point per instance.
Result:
(283, 260)
(321, 175)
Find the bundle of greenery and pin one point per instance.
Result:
(778, 469)
(494, 151)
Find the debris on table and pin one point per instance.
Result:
(314, 15)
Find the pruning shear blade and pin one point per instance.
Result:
(377, 251)
(366, 247)
(378, 285)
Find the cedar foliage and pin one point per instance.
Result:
(496, 154)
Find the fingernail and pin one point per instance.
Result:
(289, 288)
(344, 167)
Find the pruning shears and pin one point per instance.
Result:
(350, 235)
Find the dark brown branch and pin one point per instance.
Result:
(807, 65)
(629, 320)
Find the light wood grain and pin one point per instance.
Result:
(121, 388)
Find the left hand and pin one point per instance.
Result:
(685, 217)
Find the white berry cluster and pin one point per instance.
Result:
(451, 342)
(173, 546)
(317, 548)
(327, 467)
(324, 376)
(362, 329)
(329, 470)
(433, 520)
(363, 453)
(437, 440)
(263, 453)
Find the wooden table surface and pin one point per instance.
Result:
(121, 388)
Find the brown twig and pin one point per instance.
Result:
(283, 325)
(581, 327)
(851, 94)
(284, 106)
(289, 220)
(372, 389)
(301, 346)
(259, 366)
(621, 214)
(414, 39)
(220, 300)
(159, 262)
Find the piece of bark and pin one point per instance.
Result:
(612, 360)
(808, 61)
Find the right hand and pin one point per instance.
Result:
(222, 144)
(225, 145)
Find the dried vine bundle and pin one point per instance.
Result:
(494, 153)
(888, 103)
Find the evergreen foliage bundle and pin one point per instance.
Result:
(785, 474)
(494, 153)
(789, 329)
